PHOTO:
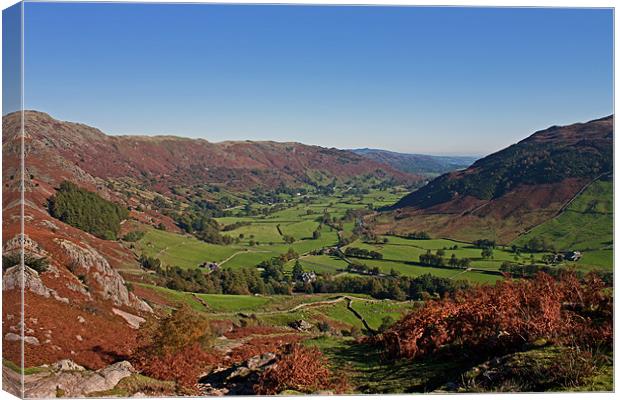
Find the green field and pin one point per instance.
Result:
(586, 225)
(181, 250)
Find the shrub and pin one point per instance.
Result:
(133, 236)
(507, 316)
(299, 368)
(174, 348)
(323, 326)
(39, 264)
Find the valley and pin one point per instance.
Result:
(215, 262)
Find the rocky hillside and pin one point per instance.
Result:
(514, 189)
(77, 304)
(417, 163)
(74, 276)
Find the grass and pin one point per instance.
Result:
(375, 312)
(320, 264)
(586, 225)
(592, 213)
(235, 303)
(181, 250)
(362, 365)
(26, 371)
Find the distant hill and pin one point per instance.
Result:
(417, 163)
(508, 192)
(165, 161)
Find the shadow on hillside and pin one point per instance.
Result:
(371, 373)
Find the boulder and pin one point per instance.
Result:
(12, 280)
(68, 379)
(133, 320)
(238, 379)
(301, 325)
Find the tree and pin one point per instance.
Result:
(487, 253)
(316, 234)
(453, 261)
(298, 271)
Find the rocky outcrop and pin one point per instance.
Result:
(301, 325)
(238, 379)
(12, 280)
(108, 283)
(68, 379)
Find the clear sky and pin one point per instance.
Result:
(425, 80)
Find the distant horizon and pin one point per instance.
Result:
(352, 148)
(417, 80)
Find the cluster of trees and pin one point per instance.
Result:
(203, 227)
(438, 260)
(419, 235)
(433, 260)
(235, 225)
(485, 244)
(538, 244)
(363, 269)
(531, 270)
(526, 270)
(363, 253)
(221, 281)
(390, 287)
(87, 211)
(456, 262)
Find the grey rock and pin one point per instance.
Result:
(110, 284)
(66, 365)
(72, 380)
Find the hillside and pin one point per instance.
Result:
(513, 190)
(81, 276)
(162, 162)
(586, 224)
(417, 163)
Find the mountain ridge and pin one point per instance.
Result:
(519, 186)
(415, 162)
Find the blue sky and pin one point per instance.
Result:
(426, 80)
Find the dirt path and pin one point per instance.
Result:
(460, 273)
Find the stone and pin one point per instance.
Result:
(301, 325)
(11, 337)
(134, 321)
(31, 340)
(66, 365)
